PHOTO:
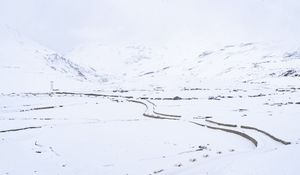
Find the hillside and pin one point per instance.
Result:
(148, 67)
(27, 66)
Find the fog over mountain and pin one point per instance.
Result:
(63, 25)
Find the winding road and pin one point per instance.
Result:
(214, 125)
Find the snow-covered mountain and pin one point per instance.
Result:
(24, 62)
(136, 65)
(27, 66)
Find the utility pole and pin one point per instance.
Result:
(51, 86)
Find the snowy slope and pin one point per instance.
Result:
(179, 67)
(26, 66)
(122, 61)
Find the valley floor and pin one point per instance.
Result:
(189, 131)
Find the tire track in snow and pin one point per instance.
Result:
(241, 134)
(149, 112)
(20, 129)
(251, 128)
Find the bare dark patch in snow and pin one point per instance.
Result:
(292, 55)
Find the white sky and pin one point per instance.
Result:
(63, 24)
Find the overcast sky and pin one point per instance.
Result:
(63, 24)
